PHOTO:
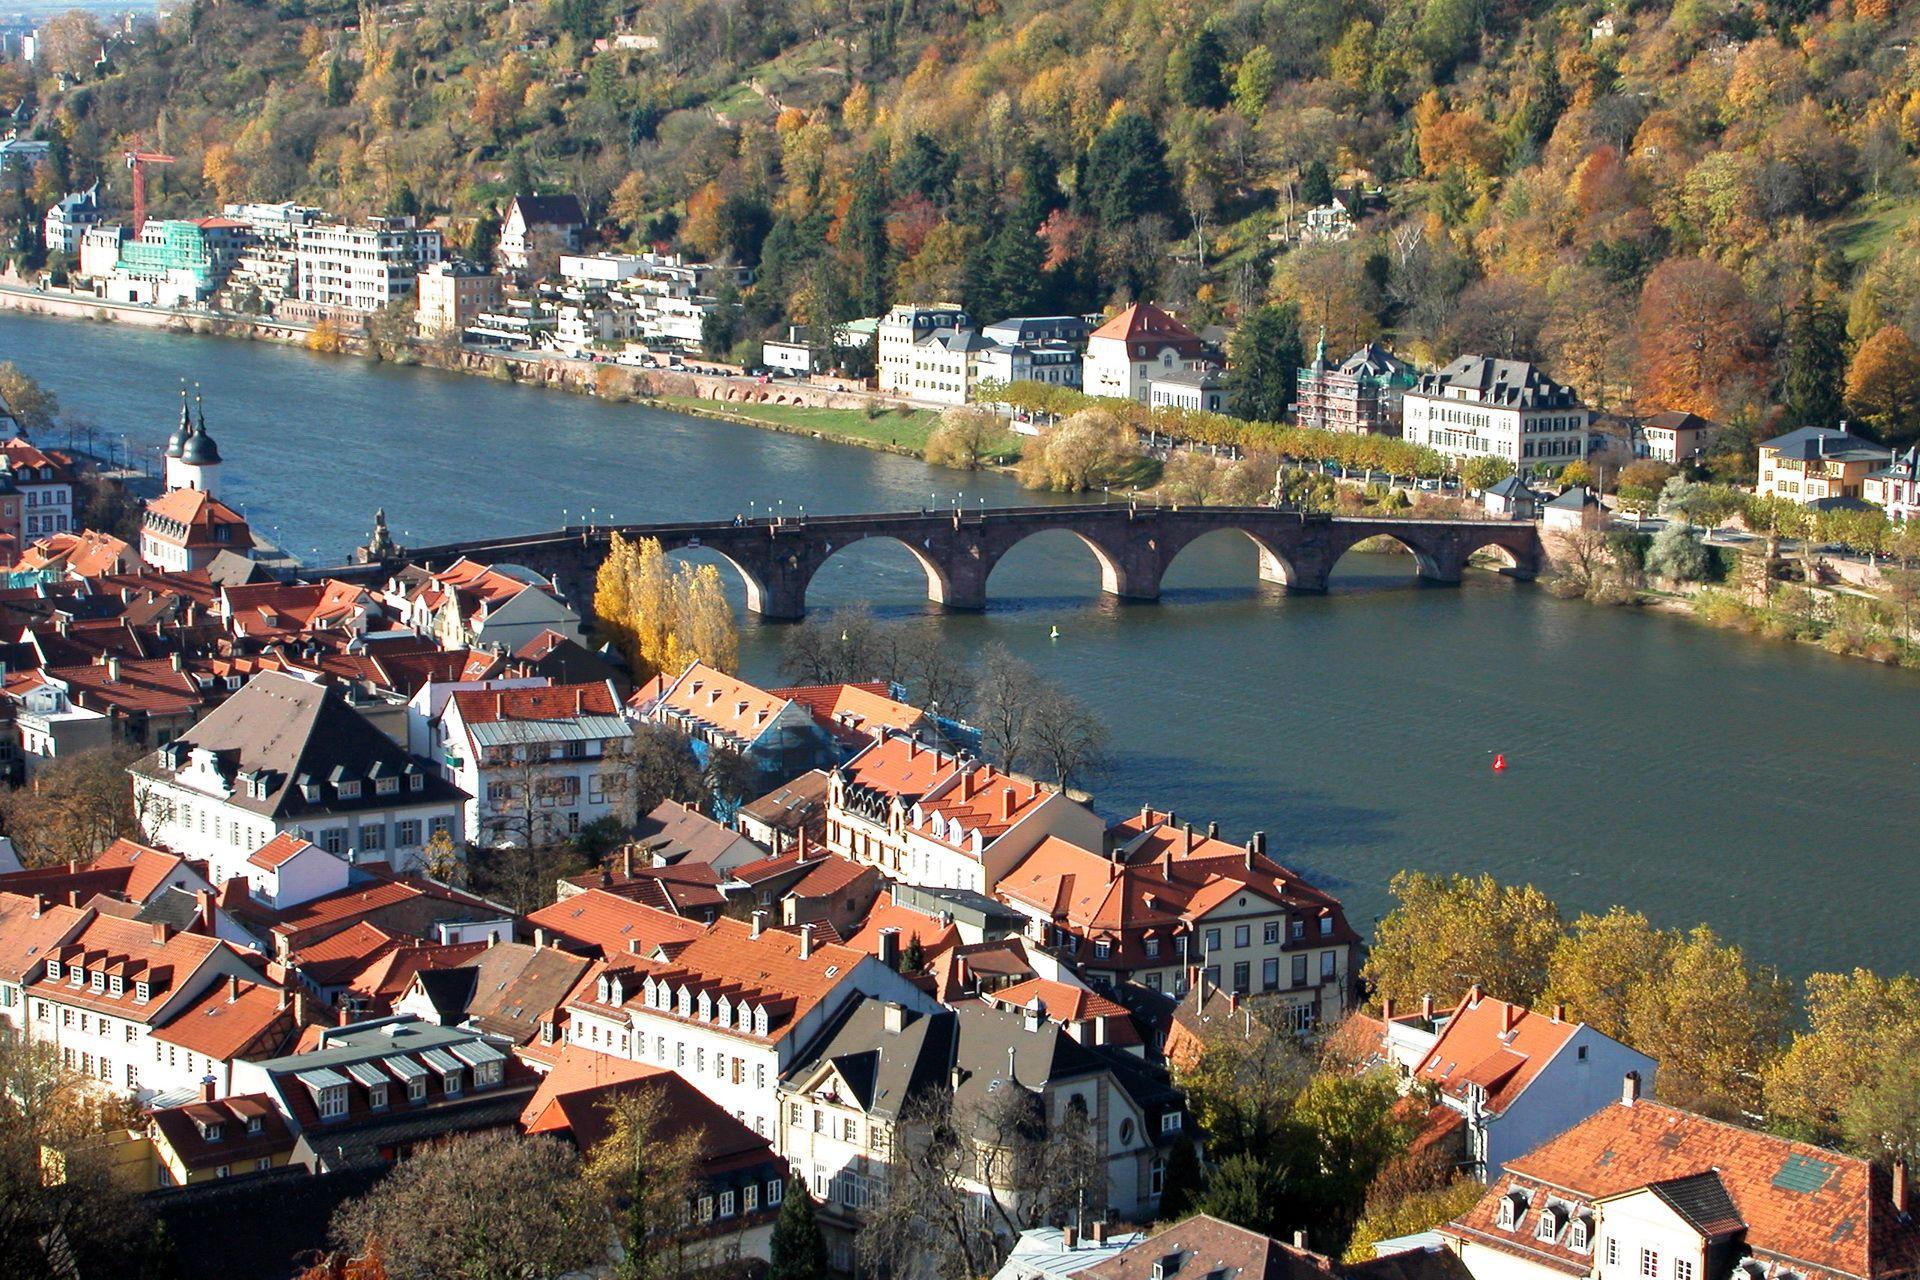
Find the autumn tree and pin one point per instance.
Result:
(1446, 934)
(1030, 724)
(965, 439)
(1710, 1016)
(76, 806)
(22, 397)
(614, 607)
(1699, 338)
(1860, 1026)
(1883, 383)
(477, 1206)
(1086, 450)
(644, 1171)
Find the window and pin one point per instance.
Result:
(441, 826)
(726, 1204)
(1153, 948)
(1549, 1225)
(374, 836)
(750, 1197)
(1613, 1252)
(1298, 930)
(775, 1189)
(417, 1089)
(1327, 966)
(406, 833)
(1241, 977)
(1577, 1234)
(263, 1164)
(1157, 1177)
(334, 840)
(1242, 935)
(377, 1097)
(1271, 934)
(1299, 974)
(706, 1208)
(1213, 940)
(450, 1084)
(221, 1172)
(1101, 950)
(1683, 1269)
(333, 1102)
(1270, 974)
(1171, 1122)
(1326, 926)
(1649, 1262)
(1511, 1207)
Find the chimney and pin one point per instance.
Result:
(626, 863)
(1630, 1088)
(1473, 996)
(759, 923)
(1509, 1018)
(1260, 843)
(1006, 804)
(161, 932)
(344, 1017)
(966, 782)
(539, 939)
(1900, 1185)
(39, 905)
(1249, 855)
(1098, 1232)
(806, 942)
(1013, 1061)
(1068, 1238)
(890, 947)
(1031, 1018)
(1187, 838)
(1213, 831)
(204, 899)
(491, 939)
(113, 671)
(1386, 1009)
(893, 1017)
(1300, 1240)
(1559, 1013)
(286, 998)
(208, 1089)
(1426, 1006)
(299, 1007)
(1233, 1003)
(176, 662)
(233, 988)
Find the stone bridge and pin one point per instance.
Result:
(1134, 545)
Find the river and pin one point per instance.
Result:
(1690, 773)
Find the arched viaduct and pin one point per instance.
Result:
(1134, 545)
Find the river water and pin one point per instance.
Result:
(1690, 773)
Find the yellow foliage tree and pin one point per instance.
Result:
(613, 601)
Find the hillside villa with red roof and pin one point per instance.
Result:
(928, 817)
(1642, 1191)
(1170, 904)
(1514, 1076)
(538, 763)
(731, 1009)
(1126, 353)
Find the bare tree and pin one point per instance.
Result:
(1067, 741)
(1028, 724)
(646, 1174)
(79, 805)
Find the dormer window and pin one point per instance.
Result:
(417, 782)
(253, 1124)
(97, 980)
(1549, 1226)
(386, 786)
(349, 788)
(53, 971)
(142, 992)
(77, 976)
(1513, 1208)
(1580, 1232)
(116, 985)
(211, 1132)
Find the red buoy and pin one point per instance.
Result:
(1499, 764)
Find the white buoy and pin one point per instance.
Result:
(1053, 634)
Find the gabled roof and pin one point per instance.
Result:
(1826, 444)
(30, 930)
(609, 926)
(936, 936)
(279, 851)
(289, 733)
(885, 1069)
(552, 211)
(138, 953)
(186, 1128)
(571, 1102)
(1497, 1046)
(1801, 1204)
(148, 868)
(232, 1018)
(854, 713)
(1144, 326)
(707, 696)
(188, 518)
(516, 986)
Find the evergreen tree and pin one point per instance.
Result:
(1196, 71)
(798, 1250)
(1125, 175)
(1267, 356)
(485, 237)
(1814, 383)
(914, 959)
(924, 169)
(1183, 1183)
(1316, 186)
(863, 234)
(339, 92)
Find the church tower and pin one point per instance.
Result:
(193, 459)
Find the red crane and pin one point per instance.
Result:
(137, 160)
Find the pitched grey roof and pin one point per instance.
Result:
(559, 211)
(1905, 466)
(1816, 444)
(1375, 361)
(885, 1069)
(288, 733)
(1578, 498)
(449, 991)
(515, 985)
(1513, 383)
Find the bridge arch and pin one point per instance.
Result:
(1427, 564)
(939, 586)
(750, 578)
(1522, 562)
(1274, 564)
(1115, 580)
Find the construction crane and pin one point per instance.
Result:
(138, 158)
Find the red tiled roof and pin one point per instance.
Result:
(137, 952)
(279, 851)
(935, 937)
(389, 975)
(147, 867)
(830, 875)
(27, 939)
(200, 513)
(1801, 1204)
(1477, 1047)
(553, 702)
(1063, 1003)
(1145, 328)
(183, 1128)
(956, 798)
(82, 552)
(572, 1100)
(231, 1018)
(854, 713)
(335, 959)
(613, 926)
(151, 685)
(712, 697)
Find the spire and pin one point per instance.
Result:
(1320, 351)
(381, 545)
(198, 449)
(178, 440)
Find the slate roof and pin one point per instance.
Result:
(550, 211)
(290, 732)
(885, 1069)
(1826, 444)
(1512, 383)
(183, 1128)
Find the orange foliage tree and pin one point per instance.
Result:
(1699, 338)
(1883, 382)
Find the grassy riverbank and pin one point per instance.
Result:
(898, 430)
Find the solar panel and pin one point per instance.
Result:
(1803, 1173)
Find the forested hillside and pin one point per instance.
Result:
(1703, 206)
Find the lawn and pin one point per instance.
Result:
(907, 429)
(1861, 239)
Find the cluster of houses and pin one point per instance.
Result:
(282, 970)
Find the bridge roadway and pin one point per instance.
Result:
(1134, 545)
